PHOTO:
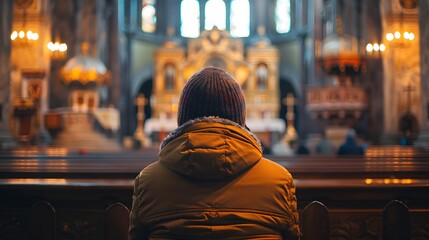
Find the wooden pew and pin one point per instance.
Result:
(116, 222)
(396, 221)
(315, 222)
(42, 221)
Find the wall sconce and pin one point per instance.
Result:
(24, 37)
(399, 39)
(58, 50)
(375, 49)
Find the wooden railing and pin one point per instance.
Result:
(314, 222)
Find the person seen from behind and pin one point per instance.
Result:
(350, 145)
(210, 180)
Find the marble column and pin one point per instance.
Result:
(5, 105)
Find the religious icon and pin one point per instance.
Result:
(169, 76)
(35, 89)
(262, 72)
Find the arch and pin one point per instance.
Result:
(262, 72)
(145, 74)
(287, 87)
(145, 89)
(217, 61)
(169, 76)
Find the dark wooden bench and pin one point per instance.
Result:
(396, 221)
(315, 222)
(42, 221)
(38, 223)
(116, 222)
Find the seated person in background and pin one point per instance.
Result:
(302, 148)
(324, 146)
(210, 180)
(350, 146)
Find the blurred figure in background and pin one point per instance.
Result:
(350, 145)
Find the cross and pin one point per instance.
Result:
(408, 89)
(140, 101)
(291, 133)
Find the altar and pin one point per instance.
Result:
(255, 69)
(268, 130)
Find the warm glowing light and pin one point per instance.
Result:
(399, 38)
(369, 47)
(23, 38)
(14, 35)
(397, 35)
(58, 50)
(368, 181)
(374, 49)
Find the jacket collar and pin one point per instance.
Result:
(179, 131)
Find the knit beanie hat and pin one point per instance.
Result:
(212, 92)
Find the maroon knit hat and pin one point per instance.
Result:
(212, 92)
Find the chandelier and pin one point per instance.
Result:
(24, 37)
(85, 69)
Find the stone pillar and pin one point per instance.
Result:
(423, 139)
(424, 56)
(6, 9)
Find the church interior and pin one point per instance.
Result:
(90, 88)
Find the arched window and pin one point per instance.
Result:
(283, 16)
(215, 14)
(240, 18)
(149, 16)
(190, 18)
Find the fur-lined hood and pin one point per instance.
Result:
(210, 148)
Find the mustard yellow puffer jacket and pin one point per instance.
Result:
(211, 182)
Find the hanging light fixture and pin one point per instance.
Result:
(83, 68)
(24, 37)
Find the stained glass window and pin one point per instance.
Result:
(240, 18)
(283, 16)
(215, 14)
(190, 18)
(149, 15)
